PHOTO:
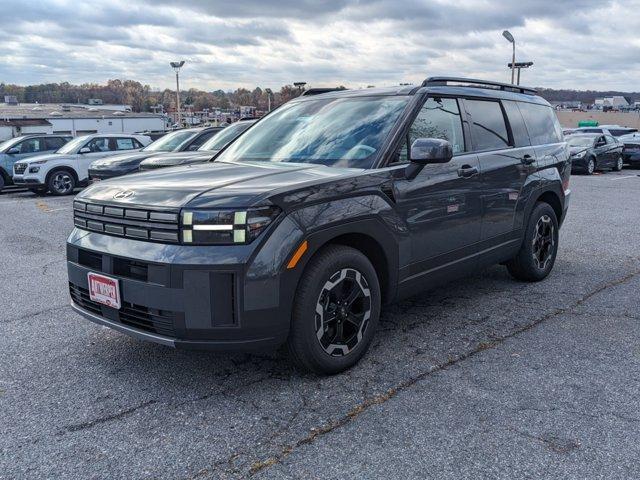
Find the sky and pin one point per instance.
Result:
(578, 44)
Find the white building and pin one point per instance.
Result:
(75, 119)
(617, 101)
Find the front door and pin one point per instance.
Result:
(441, 205)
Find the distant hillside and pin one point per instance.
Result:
(584, 96)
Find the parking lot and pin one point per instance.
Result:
(483, 378)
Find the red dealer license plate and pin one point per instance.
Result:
(104, 290)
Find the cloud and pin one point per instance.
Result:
(574, 44)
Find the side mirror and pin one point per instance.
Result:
(84, 150)
(431, 150)
(13, 151)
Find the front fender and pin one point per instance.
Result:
(268, 282)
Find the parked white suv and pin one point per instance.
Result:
(68, 167)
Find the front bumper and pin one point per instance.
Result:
(28, 181)
(579, 164)
(179, 296)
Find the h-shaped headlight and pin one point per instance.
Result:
(225, 227)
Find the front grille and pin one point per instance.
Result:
(131, 315)
(19, 168)
(139, 223)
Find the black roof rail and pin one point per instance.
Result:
(474, 82)
(319, 90)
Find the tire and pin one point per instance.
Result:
(539, 248)
(61, 182)
(331, 276)
(2, 182)
(618, 165)
(591, 166)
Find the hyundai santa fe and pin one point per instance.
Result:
(322, 212)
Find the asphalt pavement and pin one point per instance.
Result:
(482, 378)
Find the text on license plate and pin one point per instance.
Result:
(105, 290)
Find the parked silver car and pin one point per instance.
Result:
(26, 146)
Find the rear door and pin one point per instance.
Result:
(506, 160)
(601, 150)
(612, 150)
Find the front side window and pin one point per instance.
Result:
(342, 132)
(99, 144)
(31, 145)
(488, 127)
(542, 123)
(125, 144)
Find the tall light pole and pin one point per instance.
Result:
(176, 67)
(507, 34)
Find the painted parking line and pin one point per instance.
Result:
(626, 176)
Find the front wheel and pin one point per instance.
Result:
(537, 254)
(61, 182)
(335, 311)
(618, 165)
(591, 166)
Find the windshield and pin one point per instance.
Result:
(341, 132)
(73, 145)
(170, 142)
(580, 141)
(226, 136)
(7, 143)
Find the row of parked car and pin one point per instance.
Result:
(60, 163)
(604, 147)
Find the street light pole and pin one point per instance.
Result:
(176, 67)
(507, 34)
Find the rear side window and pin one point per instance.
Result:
(54, 143)
(518, 128)
(542, 123)
(125, 144)
(488, 127)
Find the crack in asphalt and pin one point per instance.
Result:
(28, 316)
(352, 414)
(108, 418)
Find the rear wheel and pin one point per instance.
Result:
(537, 254)
(591, 166)
(618, 165)
(61, 182)
(335, 312)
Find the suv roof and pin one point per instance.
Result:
(443, 85)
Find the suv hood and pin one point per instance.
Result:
(122, 160)
(180, 158)
(215, 184)
(46, 157)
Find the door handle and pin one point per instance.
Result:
(467, 171)
(528, 159)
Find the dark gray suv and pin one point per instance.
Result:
(324, 210)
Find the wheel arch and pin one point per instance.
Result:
(553, 199)
(59, 168)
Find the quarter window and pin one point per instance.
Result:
(518, 128)
(488, 127)
(542, 123)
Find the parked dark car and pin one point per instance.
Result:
(631, 150)
(326, 209)
(205, 153)
(613, 130)
(593, 151)
(188, 139)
